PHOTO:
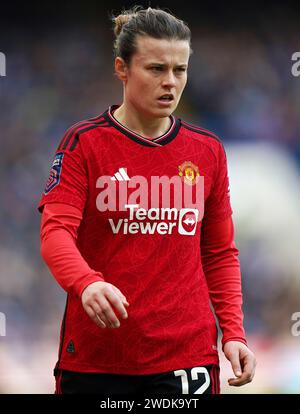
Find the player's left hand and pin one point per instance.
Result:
(242, 360)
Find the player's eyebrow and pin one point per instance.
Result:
(163, 65)
(156, 64)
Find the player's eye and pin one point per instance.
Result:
(157, 68)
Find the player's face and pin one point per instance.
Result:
(157, 76)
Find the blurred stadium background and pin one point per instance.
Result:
(60, 70)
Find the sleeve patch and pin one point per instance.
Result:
(55, 173)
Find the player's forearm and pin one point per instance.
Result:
(58, 249)
(222, 271)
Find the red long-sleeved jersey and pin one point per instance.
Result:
(152, 217)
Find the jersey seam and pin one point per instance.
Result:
(204, 143)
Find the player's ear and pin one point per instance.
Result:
(121, 69)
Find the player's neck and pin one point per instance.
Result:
(148, 128)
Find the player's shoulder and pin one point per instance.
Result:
(201, 134)
(73, 133)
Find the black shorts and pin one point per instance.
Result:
(197, 380)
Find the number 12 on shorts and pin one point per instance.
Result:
(195, 372)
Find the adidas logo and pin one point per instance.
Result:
(121, 175)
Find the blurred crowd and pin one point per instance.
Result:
(240, 86)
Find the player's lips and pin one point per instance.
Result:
(166, 99)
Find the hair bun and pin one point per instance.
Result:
(119, 22)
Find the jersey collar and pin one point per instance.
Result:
(156, 142)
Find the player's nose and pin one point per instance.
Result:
(169, 79)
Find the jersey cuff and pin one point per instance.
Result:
(74, 203)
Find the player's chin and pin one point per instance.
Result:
(167, 111)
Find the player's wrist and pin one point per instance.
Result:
(234, 339)
(81, 286)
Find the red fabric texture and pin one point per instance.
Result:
(59, 228)
(168, 277)
(222, 271)
(220, 263)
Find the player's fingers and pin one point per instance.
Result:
(103, 325)
(108, 312)
(238, 382)
(99, 314)
(91, 313)
(98, 306)
(249, 367)
(235, 363)
(235, 382)
(120, 294)
(116, 301)
(247, 375)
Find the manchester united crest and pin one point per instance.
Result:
(189, 171)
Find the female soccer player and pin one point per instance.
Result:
(137, 228)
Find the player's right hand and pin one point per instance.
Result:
(99, 299)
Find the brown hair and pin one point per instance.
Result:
(151, 22)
